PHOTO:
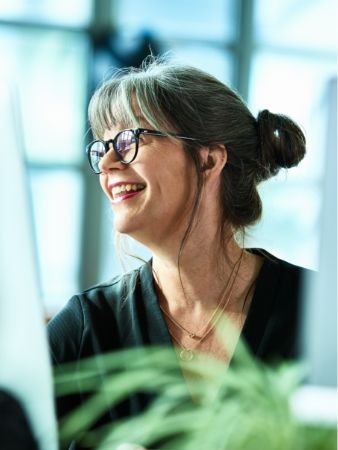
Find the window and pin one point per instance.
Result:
(48, 66)
(293, 63)
(56, 52)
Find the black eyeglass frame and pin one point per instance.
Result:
(136, 132)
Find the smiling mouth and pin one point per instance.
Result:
(126, 190)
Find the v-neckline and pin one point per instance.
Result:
(257, 319)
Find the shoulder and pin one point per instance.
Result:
(113, 293)
(282, 281)
(111, 290)
(98, 296)
(285, 271)
(275, 313)
(90, 319)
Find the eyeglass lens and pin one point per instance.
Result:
(96, 153)
(125, 144)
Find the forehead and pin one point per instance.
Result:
(126, 112)
(113, 113)
(136, 112)
(110, 133)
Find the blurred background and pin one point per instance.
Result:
(278, 54)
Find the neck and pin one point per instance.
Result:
(199, 274)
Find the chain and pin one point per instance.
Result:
(186, 353)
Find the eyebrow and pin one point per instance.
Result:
(142, 121)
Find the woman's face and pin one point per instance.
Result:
(152, 197)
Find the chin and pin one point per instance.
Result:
(142, 235)
(124, 228)
(125, 225)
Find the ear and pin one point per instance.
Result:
(213, 159)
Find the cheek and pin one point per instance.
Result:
(182, 188)
(103, 184)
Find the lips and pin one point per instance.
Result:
(122, 191)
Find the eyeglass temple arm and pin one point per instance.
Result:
(159, 133)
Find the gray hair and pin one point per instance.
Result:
(176, 98)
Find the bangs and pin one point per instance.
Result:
(129, 101)
(109, 107)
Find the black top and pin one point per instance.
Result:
(124, 312)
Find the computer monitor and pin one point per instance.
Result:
(320, 296)
(25, 370)
(316, 401)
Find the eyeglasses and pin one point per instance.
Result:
(125, 144)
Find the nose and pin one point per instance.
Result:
(110, 161)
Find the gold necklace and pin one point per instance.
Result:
(196, 335)
(187, 354)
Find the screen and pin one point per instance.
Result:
(25, 370)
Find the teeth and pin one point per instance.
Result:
(126, 188)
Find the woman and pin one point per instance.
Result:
(179, 156)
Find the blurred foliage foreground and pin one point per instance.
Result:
(212, 407)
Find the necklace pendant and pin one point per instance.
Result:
(192, 335)
(186, 354)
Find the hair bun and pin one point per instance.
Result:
(281, 142)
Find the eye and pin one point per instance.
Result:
(125, 141)
(97, 150)
(124, 146)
